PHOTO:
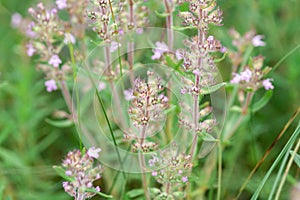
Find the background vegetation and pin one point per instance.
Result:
(29, 146)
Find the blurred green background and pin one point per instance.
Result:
(29, 146)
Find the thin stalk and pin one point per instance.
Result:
(143, 164)
(219, 190)
(75, 115)
(80, 196)
(168, 185)
(131, 43)
(287, 170)
(170, 34)
(169, 24)
(201, 39)
(66, 94)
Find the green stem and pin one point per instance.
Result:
(219, 170)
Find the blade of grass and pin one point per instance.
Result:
(286, 148)
(285, 57)
(267, 152)
(107, 121)
(287, 170)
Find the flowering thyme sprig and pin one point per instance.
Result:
(171, 169)
(198, 63)
(80, 173)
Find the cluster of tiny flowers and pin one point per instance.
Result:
(145, 147)
(170, 166)
(147, 101)
(75, 9)
(99, 14)
(241, 43)
(80, 168)
(252, 77)
(196, 58)
(210, 14)
(132, 16)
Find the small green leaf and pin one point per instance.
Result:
(155, 191)
(222, 58)
(263, 101)
(162, 15)
(296, 158)
(174, 65)
(61, 172)
(135, 193)
(170, 62)
(208, 138)
(179, 194)
(93, 190)
(236, 109)
(60, 124)
(180, 28)
(211, 89)
(170, 109)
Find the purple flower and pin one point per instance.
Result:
(29, 30)
(98, 188)
(94, 152)
(69, 38)
(160, 49)
(51, 85)
(89, 185)
(268, 84)
(101, 86)
(61, 4)
(183, 91)
(210, 38)
(185, 179)
(179, 54)
(68, 172)
(246, 75)
(16, 20)
(30, 49)
(223, 49)
(129, 94)
(154, 173)
(121, 32)
(153, 161)
(114, 46)
(139, 31)
(196, 72)
(257, 41)
(54, 61)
